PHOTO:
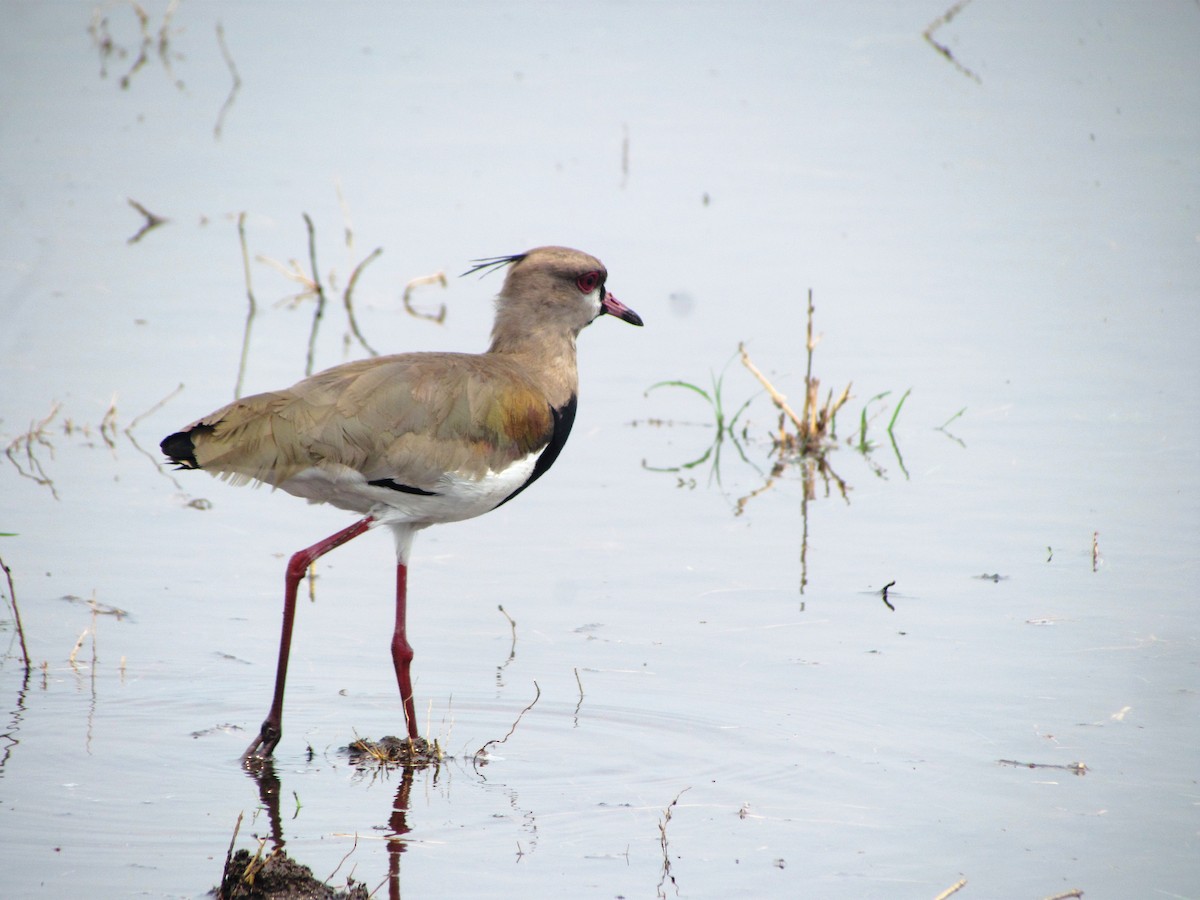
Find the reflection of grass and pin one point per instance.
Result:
(722, 422)
(943, 428)
(713, 399)
(865, 446)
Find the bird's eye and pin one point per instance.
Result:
(588, 282)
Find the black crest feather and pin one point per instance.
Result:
(491, 264)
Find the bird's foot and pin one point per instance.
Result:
(263, 746)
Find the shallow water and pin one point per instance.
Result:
(1021, 246)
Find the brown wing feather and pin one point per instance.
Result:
(411, 418)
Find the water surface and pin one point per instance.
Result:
(1018, 241)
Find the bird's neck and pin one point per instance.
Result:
(546, 355)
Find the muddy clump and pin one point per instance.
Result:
(278, 877)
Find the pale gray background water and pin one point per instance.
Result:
(1026, 246)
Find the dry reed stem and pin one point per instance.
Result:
(512, 623)
(579, 705)
(35, 435)
(1066, 895)
(662, 839)
(810, 345)
(12, 596)
(944, 19)
(953, 889)
(237, 82)
(816, 420)
(319, 312)
(777, 398)
(252, 304)
(237, 826)
(108, 425)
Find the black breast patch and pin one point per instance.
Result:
(564, 418)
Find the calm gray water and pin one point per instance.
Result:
(1016, 237)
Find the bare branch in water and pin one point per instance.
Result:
(233, 91)
(152, 221)
(944, 19)
(251, 311)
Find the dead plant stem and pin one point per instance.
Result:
(953, 889)
(776, 397)
(346, 295)
(237, 83)
(482, 750)
(12, 596)
(344, 858)
(810, 399)
(420, 281)
(320, 291)
(252, 307)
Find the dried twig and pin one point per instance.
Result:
(1066, 895)
(512, 623)
(777, 398)
(237, 826)
(152, 221)
(12, 596)
(578, 705)
(662, 840)
(350, 290)
(344, 858)
(320, 292)
(953, 889)
(886, 601)
(944, 19)
(482, 751)
(435, 278)
(108, 425)
(252, 309)
(155, 408)
(1075, 768)
(237, 82)
(35, 435)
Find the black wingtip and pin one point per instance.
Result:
(491, 263)
(179, 449)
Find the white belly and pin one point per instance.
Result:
(455, 497)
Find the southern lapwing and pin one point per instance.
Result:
(411, 440)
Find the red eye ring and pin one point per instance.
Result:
(588, 282)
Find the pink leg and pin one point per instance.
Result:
(402, 651)
(272, 728)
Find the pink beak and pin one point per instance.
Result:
(615, 307)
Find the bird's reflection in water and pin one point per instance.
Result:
(269, 872)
